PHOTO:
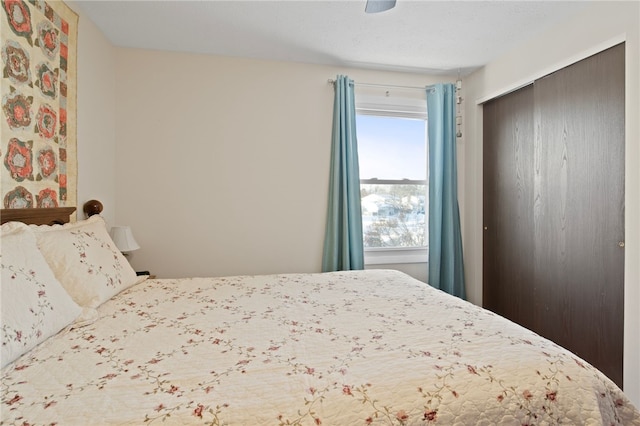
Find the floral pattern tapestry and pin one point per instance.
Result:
(38, 145)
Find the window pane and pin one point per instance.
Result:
(393, 215)
(391, 148)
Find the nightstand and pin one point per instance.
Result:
(140, 273)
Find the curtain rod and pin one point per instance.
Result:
(384, 86)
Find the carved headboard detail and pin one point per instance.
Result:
(92, 207)
(48, 216)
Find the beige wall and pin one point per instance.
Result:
(600, 26)
(99, 170)
(223, 163)
(96, 117)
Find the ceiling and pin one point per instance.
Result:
(425, 36)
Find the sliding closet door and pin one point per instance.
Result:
(568, 267)
(579, 220)
(508, 206)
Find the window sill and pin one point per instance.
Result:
(395, 256)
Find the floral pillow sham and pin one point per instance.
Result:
(85, 259)
(34, 304)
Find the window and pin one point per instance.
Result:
(392, 150)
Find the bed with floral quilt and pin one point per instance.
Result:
(85, 341)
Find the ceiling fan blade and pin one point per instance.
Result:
(375, 6)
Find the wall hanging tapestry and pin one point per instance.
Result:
(38, 143)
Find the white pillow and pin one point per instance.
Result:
(34, 304)
(85, 260)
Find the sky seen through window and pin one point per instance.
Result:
(391, 147)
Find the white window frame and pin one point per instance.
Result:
(403, 108)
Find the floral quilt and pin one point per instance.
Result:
(345, 348)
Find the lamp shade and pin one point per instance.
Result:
(123, 238)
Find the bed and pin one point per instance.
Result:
(373, 347)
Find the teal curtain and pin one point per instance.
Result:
(343, 245)
(446, 267)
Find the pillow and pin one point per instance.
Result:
(85, 260)
(34, 304)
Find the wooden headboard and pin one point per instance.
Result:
(49, 216)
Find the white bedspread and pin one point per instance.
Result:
(346, 348)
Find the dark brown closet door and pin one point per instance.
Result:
(508, 206)
(571, 260)
(580, 218)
